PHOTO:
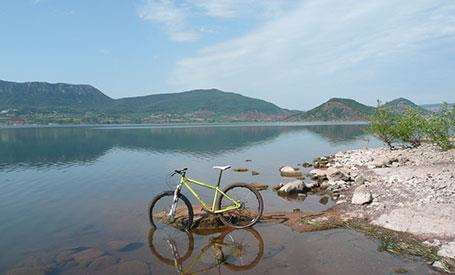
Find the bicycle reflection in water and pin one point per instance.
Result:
(235, 249)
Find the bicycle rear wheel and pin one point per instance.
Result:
(251, 206)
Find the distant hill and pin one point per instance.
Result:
(434, 107)
(210, 101)
(400, 105)
(336, 109)
(42, 96)
(32, 98)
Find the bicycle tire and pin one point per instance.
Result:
(189, 222)
(259, 210)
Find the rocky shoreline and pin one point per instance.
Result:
(409, 190)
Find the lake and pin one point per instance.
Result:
(72, 189)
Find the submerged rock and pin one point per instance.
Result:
(259, 186)
(131, 267)
(254, 173)
(361, 195)
(292, 187)
(288, 171)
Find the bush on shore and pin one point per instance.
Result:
(412, 127)
(382, 125)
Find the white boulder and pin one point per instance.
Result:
(361, 196)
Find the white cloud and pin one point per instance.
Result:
(172, 16)
(324, 46)
(177, 17)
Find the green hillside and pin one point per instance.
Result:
(400, 105)
(210, 101)
(42, 103)
(336, 109)
(42, 96)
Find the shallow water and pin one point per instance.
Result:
(86, 186)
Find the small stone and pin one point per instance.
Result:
(359, 180)
(241, 169)
(292, 187)
(259, 186)
(324, 200)
(296, 210)
(254, 173)
(361, 195)
(307, 164)
(287, 171)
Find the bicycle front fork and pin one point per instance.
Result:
(171, 213)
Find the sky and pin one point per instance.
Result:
(296, 54)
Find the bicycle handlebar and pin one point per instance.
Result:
(180, 172)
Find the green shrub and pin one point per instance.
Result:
(410, 127)
(382, 125)
(437, 131)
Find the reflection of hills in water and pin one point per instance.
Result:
(55, 146)
(339, 133)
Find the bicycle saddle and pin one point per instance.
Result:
(222, 168)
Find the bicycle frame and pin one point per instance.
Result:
(184, 181)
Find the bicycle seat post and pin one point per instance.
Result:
(219, 178)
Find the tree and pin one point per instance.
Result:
(382, 125)
(410, 127)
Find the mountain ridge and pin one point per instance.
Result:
(44, 102)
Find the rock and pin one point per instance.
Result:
(131, 267)
(440, 265)
(277, 187)
(447, 250)
(318, 174)
(324, 200)
(103, 262)
(254, 173)
(259, 186)
(287, 171)
(248, 160)
(292, 187)
(86, 256)
(307, 164)
(361, 195)
(359, 180)
(310, 184)
(336, 174)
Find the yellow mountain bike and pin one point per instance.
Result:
(238, 206)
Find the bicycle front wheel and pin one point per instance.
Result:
(251, 206)
(161, 206)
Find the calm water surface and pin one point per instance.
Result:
(83, 187)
